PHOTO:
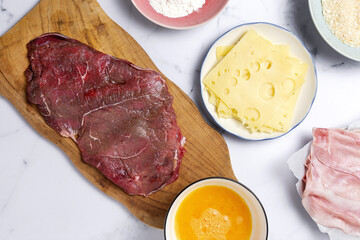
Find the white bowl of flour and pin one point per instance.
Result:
(180, 14)
(176, 8)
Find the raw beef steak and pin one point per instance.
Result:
(120, 115)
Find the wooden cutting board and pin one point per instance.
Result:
(207, 153)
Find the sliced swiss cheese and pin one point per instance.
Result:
(258, 83)
(222, 51)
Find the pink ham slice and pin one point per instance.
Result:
(331, 192)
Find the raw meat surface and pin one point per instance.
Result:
(332, 182)
(120, 115)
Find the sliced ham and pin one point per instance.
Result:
(331, 193)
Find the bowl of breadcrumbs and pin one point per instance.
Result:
(338, 22)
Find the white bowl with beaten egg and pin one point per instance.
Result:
(276, 35)
(216, 207)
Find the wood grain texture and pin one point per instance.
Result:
(207, 153)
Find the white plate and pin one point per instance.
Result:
(277, 35)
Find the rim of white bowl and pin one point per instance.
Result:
(312, 101)
(221, 178)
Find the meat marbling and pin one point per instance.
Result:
(120, 115)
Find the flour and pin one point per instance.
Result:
(176, 8)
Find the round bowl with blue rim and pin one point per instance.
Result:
(279, 36)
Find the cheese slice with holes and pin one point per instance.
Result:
(258, 83)
(222, 51)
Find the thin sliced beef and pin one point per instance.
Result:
(120, 115)
(332, 182)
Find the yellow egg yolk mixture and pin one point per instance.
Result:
(213, 213)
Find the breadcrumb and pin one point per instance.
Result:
(343, 19)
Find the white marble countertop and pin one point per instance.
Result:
(32, 208)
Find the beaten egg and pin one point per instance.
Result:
(213, 213)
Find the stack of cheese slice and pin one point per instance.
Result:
(257, 83)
